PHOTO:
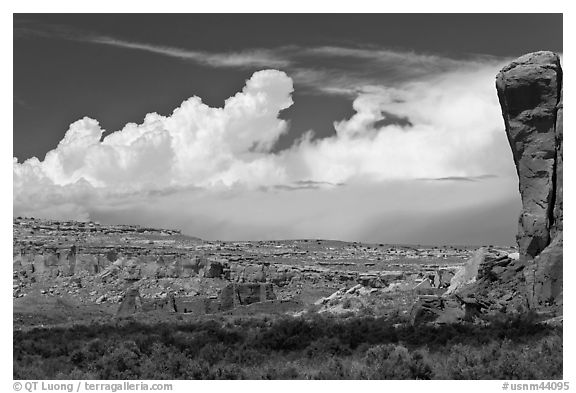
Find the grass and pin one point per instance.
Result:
(307, 347)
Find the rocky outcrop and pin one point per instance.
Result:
(529, 91)
(234, 295)
(530, 94)
(131, 304)
(489, 282)
(432, 308)
(498, 287)
(468, 273)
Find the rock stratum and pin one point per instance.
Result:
(103, 271)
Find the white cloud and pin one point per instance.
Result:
(196, 144)
(352, 69)
(369, 65)
(455, 123)
(414, 62)
(248, 58)
(199, 157)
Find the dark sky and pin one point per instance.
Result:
(393, 129)
(59, 76)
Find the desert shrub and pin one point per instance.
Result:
(366, 311)
(164, 363)
(212, 354)
(288, 334)
(95, 348)
(327, 347)
(78, 357)
(333, 369)
(393, 361)
(286, 348)
(228, 371)
(145, 342)
(190, 342)
(244, 356)
(120, 362)
(504, 360)
(30, 367)
(282, 372)
(76, 373)
(197, 369)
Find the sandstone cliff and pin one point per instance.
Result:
(530, 94)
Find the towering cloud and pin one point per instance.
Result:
(445, 126)
(196, 145)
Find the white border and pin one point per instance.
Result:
(307, 6)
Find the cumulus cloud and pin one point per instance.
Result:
(207, 156)
(196, 144)
(452, 126)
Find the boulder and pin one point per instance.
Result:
(443, 278)
(101, 299)
(424, 284)
(467, 273)
(370, 280)
(213, 269)
(334, 297)
(432, 308)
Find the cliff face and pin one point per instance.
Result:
(530, 94)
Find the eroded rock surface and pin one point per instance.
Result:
(530, 94)
(131, 304)
(234, 295)
(104, 268)
(529, 91)
(468, 273)
(491, 281)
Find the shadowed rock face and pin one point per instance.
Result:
(530, 94)
(131, 304)
(234, 295)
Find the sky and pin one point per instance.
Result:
(359, 127)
